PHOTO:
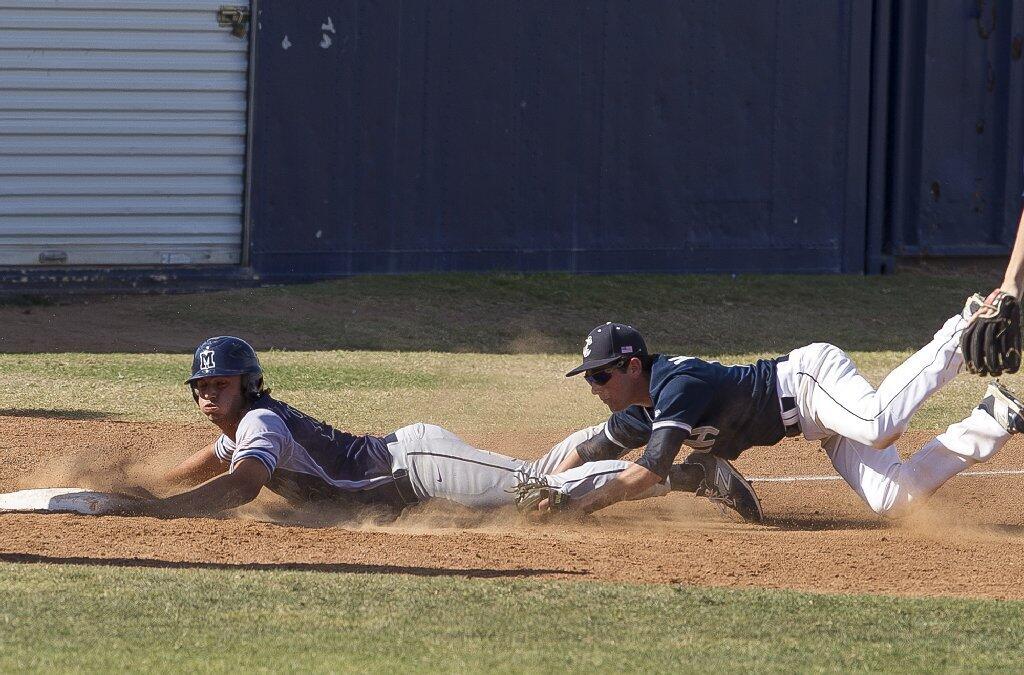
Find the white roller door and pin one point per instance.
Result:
(122, 133)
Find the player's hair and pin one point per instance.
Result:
(646, 361)
(253, 387)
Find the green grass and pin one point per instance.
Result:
(378, 391)
(88, 618)
(483, 354)
(528, 314)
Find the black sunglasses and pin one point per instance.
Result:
(601, 377)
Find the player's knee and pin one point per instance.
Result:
(896, 501)
(882, 434)
(883, 442)
(895, 511)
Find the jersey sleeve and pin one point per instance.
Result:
(629, 428)
(262, 435)
(224, 447)
(682, 403)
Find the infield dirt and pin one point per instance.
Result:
(818, 536)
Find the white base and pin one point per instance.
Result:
(61, 500)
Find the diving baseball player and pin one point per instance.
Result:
(719, 411)
(267, 443)
(815, 391)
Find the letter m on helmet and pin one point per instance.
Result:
(224, 355)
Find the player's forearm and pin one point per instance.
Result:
(627, 485)
(220, 494)
(1013, 281)
(195, 469)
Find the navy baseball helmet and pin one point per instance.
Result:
(224, 355)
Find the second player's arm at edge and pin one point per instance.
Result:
(1014, 278)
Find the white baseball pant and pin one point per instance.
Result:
(443, 466)
(857, 424)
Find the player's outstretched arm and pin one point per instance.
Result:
(665, 443)
(227, 491)
(195, 469)
(629, 484)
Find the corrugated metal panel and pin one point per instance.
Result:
(122, 133)
(957, 132)
(665, 135)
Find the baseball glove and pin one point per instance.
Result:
(991, 343)
(532, 491)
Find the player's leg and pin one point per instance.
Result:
(892, 487)
(443, 466)
(840, 400)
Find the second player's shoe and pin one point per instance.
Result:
(1004, 406)
(724, 486)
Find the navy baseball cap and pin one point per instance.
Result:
(607, 344)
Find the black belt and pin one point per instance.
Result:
(790, 415)
(403, 484)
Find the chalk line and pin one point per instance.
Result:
(813, 479)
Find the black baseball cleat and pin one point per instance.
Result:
(720, 482)
(1004, 407)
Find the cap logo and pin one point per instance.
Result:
(206, 361)
(586, 346)
(628, 349)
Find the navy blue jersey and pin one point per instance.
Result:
(724, 409)
(309, 460)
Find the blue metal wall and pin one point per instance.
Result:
(956, 138)
(584, 136)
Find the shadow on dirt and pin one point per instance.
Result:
(329, 568)
(48, 414)
(821, 524)
(1006, 530)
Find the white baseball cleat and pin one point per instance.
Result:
(1004, 407)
